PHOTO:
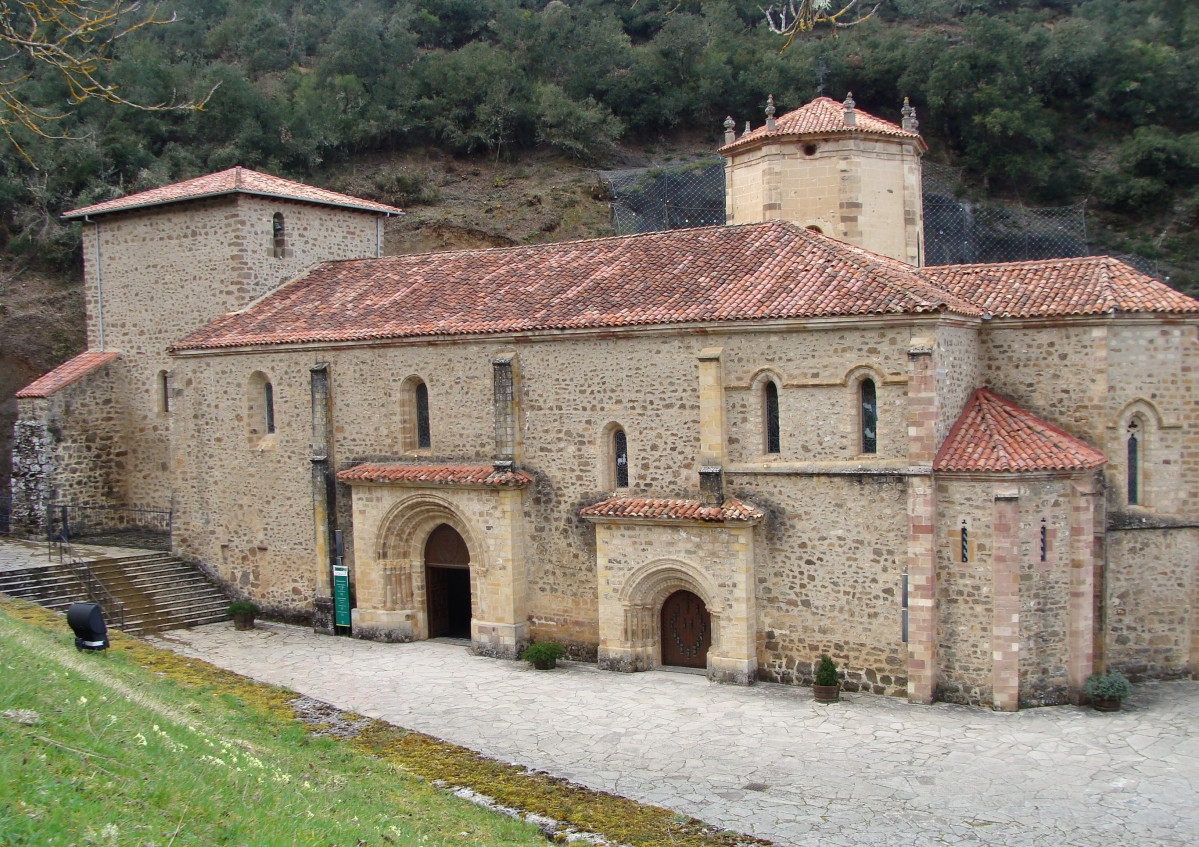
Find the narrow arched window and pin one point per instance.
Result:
(869, 402)
(770, 405)
(164, 392)
(424, 437)
(620, 458)
(965, 549)
(1134, 462)
(268, 406)
(279, 235)
(1044, 541)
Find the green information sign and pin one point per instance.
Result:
(341, 595)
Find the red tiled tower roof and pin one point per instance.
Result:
(435, 475)
(994, 434)
(66, 373)
(824, 116)
(1089, 285)
(232, 181)
(671, 510)
(773, 270)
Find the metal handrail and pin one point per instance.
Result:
(96, 592)
(78, 520)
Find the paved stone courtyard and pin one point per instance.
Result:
(18, 554)
(868, 771)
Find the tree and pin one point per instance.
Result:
(72, 41)
(796, 16)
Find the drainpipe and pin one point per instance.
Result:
(99, 293)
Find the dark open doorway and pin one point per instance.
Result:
(447, 584)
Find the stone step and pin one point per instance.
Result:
(158, 591)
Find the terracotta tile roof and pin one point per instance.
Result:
(671, 510)
(994, 434)
(434, 475)
(66, 373)
(232, 181)
(727, 273)
(823, 116)
(1089, 285)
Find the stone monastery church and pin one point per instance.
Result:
(731, 448)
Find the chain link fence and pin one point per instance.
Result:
(955, 231)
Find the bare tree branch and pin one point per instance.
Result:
(793, 17)
(73, 38)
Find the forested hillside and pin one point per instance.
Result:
(1051, 100)
(480, 116)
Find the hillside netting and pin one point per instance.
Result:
(956, 231)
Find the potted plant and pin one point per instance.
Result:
(1107, 690)
(827, 688)
(543, 655)
(243, 613)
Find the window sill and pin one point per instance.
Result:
(266, 444)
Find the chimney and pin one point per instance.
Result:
(711, 486)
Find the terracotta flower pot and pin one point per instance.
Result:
(827, 693)
(1105, 705)
(243, 621)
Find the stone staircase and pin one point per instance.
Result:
(52, 585)
(158, 591)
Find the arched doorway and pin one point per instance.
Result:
(686, 631)
(447, 583)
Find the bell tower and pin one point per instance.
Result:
(831, 167)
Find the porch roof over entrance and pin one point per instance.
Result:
(635, 508)
(435, 475)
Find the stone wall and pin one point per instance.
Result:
(1151, 374)
(1044, 593)
(959, 371)
(818, 373)
(964, 591)
(831, 554)
(1152, 594)
(1090, 376)
(69, 448)
(166, 271)
(572, 390)
(32, 469)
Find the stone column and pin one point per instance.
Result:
(323, 512)
(505, 400)
(1005, 599)
(1081, 613)
(502, 587)
(922, 554)
(711, 408)
(736, 660)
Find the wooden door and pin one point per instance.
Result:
(686, 631)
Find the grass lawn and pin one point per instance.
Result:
(139, 746)
(97, 750)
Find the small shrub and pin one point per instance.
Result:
(826, 671)
(543, 654)
(242, 607)
(1112, 685)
